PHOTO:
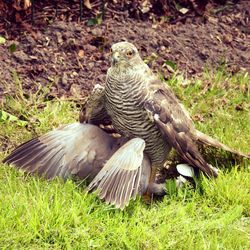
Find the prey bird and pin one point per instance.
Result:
(83, 151)
(139, 105)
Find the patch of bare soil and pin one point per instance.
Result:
(72, 56)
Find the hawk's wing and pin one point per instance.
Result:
(94, 111)
(175, 123)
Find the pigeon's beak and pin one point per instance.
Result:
(115, 58)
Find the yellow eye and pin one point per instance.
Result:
(130, 53)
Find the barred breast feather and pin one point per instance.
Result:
(124, 105)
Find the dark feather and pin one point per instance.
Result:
(175, 124)
(209, 141)
(185, 147)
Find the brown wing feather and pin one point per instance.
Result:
(186, 147)
(209, 141)
(175, 123)
(94, 111)
(168, 107)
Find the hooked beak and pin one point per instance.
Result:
(115, 58)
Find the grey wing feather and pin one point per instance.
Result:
(76, 149)
(119, 179)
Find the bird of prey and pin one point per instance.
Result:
(147, 115)
(139, 105)
(83, 151)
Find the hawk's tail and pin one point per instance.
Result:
(209, 141)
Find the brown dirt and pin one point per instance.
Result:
(72, 56)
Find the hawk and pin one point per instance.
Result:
(139, 105)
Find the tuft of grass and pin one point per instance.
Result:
(40, 214)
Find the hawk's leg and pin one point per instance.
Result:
(148, 196)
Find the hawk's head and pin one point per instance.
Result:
(124, 55)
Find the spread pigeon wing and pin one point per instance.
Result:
(175, 123)
(119, 179)
(76, 149)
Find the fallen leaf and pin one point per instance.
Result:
(87, 4)
(12, 47)
(95, 21)
(183, 10)
(2, 40)
(81, 53)
(27, 4)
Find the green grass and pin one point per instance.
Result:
(37, 214)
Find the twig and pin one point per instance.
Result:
(181, 18)
(81, 9)
(117, 12)
(78, 61)
(33, 11)
(103, 9)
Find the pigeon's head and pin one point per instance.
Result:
(124, 54)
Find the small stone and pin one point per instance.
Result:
(162, 48)
(75, 90)
(89, 48)
(96, 32)
(81, 53)
(212, 20)
(59, 37)
(228, 38)
(91, 65)
(65, 78)
(74, 74)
